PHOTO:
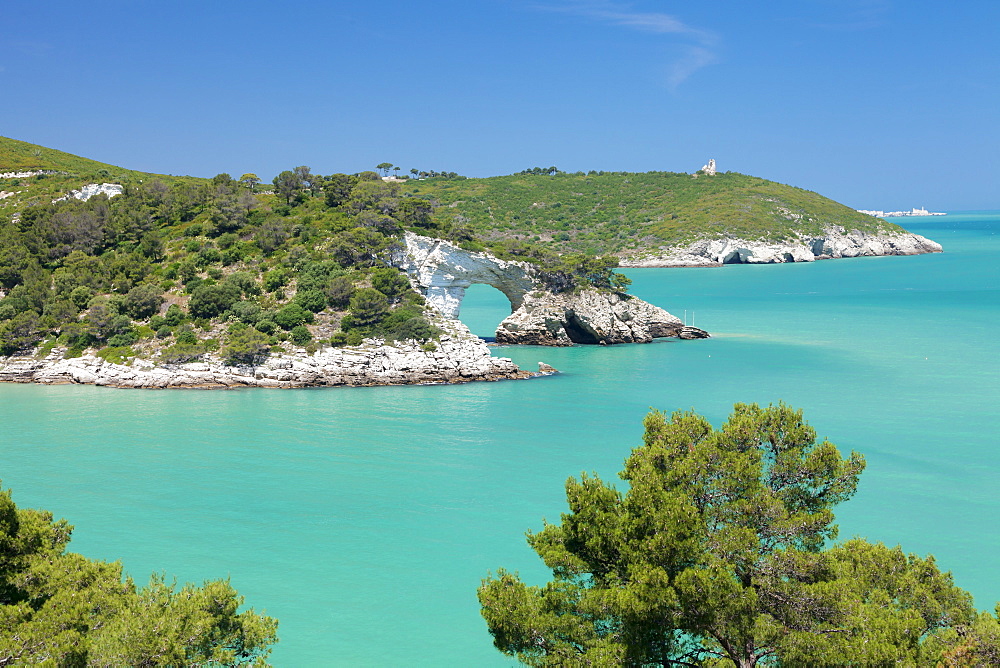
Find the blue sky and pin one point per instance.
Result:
(876, 103)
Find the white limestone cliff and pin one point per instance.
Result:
(834, 242)
(442, 271)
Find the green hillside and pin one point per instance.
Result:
(618, 212)
(177, 268)
(69, 173)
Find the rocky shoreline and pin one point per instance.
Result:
(834, 242)
(459, 357)
(438, 270)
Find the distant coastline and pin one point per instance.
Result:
(900, 214)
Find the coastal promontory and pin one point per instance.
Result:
(116, 277)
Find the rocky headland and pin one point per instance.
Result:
(834, 242)
(440, 271)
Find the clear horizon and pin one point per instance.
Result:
(874, 103)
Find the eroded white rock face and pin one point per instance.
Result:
(442, 271)
(25, 175)
(833, 243)
(92, 189)
(586, 316)
(458, 357)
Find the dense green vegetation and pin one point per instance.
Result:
(61, 609)
(621, 213)
(173, 269)
(718, 555)
(178, 267)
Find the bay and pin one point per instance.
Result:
(364, 518)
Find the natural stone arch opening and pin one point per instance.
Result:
(483, 308)
(442, 272)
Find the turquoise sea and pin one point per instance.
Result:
(365, 518)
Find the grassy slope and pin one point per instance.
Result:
(74, 171)
(623, 212)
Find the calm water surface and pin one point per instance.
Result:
(365, 518)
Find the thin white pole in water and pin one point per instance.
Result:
(685, 317)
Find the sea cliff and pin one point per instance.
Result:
(834, 242)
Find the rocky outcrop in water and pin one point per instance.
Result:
(833, 243)
(458, 357)
(588, 317)
(442, 271)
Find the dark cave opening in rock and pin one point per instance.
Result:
(578, 333)
(733, 258)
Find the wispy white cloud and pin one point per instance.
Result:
(698, 47)
(694, 58)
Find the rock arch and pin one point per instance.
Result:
(442, 271)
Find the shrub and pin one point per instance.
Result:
(275, 279)
(338, 339)
(126, 338)
(226, 240)
(187, 337)
(182, 353)
(174, 315)
(244, 311)
(143, 301)
(339, 291)
(368, 307)
(207, 256)
(390, 282)
(116, 354)
(208, 301)
(81, 296)
(266, 325)
(415, 327)
(243, 281)
(245, 346)
(300, 335)
(291, 315)
(312, 300)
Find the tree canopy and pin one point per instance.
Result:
(60, 608)
(718, 555)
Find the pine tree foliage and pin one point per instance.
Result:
(717, 555)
